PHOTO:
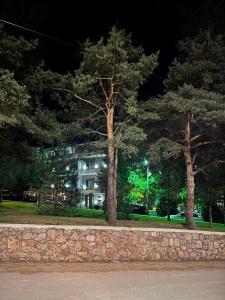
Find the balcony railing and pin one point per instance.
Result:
(90, 171)
(91, 191)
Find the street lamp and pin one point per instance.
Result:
(146, 163)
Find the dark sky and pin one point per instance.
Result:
(157, 25)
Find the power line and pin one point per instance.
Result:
(39, 33)
(52, 38)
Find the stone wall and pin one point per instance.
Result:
(89, 244)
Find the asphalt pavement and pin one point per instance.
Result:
(197, 284)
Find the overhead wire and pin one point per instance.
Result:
(39, 33)
(53, 38)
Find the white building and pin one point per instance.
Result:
(89, 164)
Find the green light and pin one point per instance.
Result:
(145, 162)
(144, 186)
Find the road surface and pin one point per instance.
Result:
(179, 283)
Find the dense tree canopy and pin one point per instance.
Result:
(188, 120)
(201, 63)
(107, 82)
(24, 123)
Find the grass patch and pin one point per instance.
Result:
(163, 222)
(16, 207)
(206, 226)
(30, 213)
(71, 212)
(144, 217)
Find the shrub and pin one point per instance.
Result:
(50, 210)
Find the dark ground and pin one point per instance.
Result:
(155, 281)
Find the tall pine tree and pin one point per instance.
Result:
(107, 83)
(189, 122)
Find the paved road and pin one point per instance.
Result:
(154, 285)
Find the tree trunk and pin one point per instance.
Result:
(111, 194)
(168, 213)
(169, 200)
(111, 187)
(39, 201)
(224, 205)
(1, 195)
(210, 207)
(210, 215)
(115, 176)
(189, 205)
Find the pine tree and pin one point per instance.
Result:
(25, 119)
(189, 124)
(201, 63)
(107, 82)
(21, 108)
(198, 70)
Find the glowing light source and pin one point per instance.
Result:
(96, 166)
(146, 162)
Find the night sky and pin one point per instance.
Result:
(157, 25)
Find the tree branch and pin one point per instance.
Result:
(209, 164)
(95, 113)
(104, 78)
(122, 124)
(119, 127)
(82, 99)
(206, 143)
(103, 89)
(109, 103)
(118, 93)
(193, 160)
(196, 137)
(98, 132)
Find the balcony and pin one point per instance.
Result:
(91, 191)
(89, 171)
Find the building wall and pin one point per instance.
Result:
(88, 168)
(82, 165)
(90, 244)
